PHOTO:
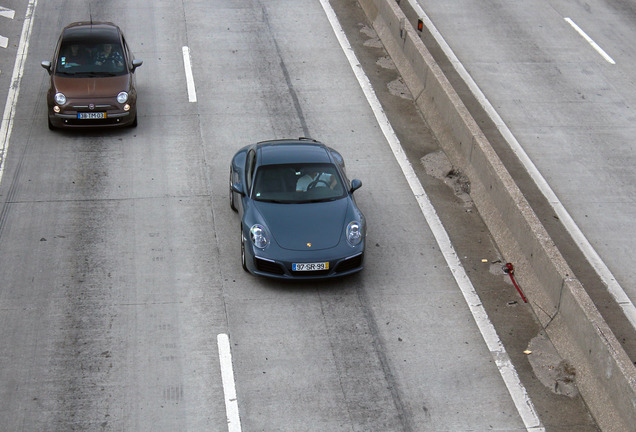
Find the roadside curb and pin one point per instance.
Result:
(605, 376)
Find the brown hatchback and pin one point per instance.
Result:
(92, 78)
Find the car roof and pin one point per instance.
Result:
(293, 151)
(94, 32)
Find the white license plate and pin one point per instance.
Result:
(310, 266)
(91, 115)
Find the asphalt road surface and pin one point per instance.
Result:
(123, 304)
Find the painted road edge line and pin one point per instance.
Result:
(187, 64)
(590, 41)
(14, 89)
(515, 387)
(229, 387)
(601, 269)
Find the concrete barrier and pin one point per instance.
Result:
(605, 376)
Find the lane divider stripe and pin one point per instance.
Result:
(590, 41)
(187, 64)
(229, 387)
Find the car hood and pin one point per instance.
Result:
(91, 87)
(310, 226)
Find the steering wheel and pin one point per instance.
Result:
(314, 183)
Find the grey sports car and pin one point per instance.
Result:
(299, 219)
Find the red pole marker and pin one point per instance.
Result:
(508, 268)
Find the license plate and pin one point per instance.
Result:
(91, 115)
(310, 266)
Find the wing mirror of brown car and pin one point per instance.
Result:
(46, 65)
(136, 64)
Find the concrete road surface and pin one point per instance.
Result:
(120, 276)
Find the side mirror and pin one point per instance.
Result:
(238, 188)
(355, 185)
(136, 63)
(46, 65)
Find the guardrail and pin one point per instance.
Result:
(605, 376)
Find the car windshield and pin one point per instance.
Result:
(90, 60)
(298, 183)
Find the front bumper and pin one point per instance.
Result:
(340, 265)
(114, 118)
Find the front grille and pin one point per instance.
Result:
(310, 273)
(95, 107)
(349, 264)
(268, 266)
(95, 122)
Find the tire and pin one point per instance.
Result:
(51, 127)
(134, 123)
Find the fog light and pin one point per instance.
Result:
(126, 107)
(56, 109)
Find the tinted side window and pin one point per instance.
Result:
(127, 55)
(250, 164)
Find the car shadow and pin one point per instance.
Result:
(333, 285)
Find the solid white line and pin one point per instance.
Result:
(229, 388)
(14, 89)
(187, 64)
(601, 269)
(516, 389)
(590, 41)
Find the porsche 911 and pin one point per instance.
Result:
(299, 218)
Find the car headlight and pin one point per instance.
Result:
(122, 97)
(354, 233)
(60, 99)
(258, 235)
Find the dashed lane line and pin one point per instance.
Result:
(589, 40)
(229, 387)
(187, 64)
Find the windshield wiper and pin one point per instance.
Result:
(93, 74)
(272, 201)
(322, 199)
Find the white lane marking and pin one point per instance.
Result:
(227, 378)
(6, 12)
(187, 64)
(601, 269)
(14, 88)
(516, 389)
(590, 41)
